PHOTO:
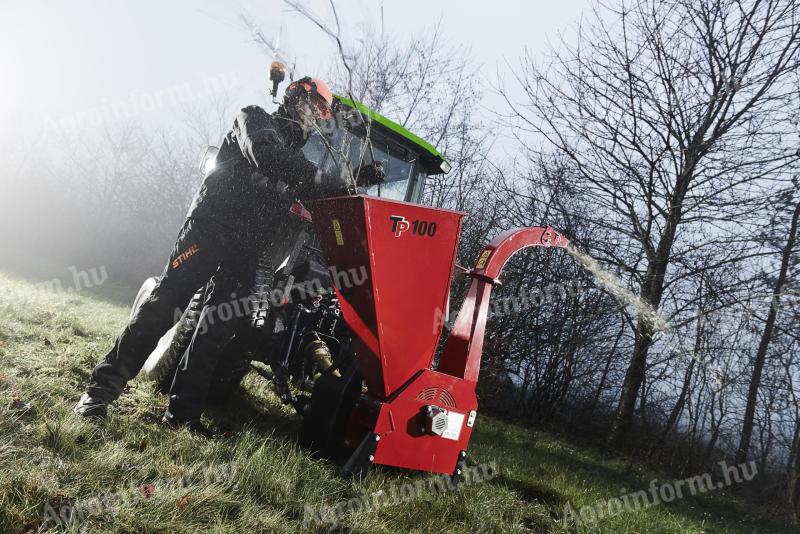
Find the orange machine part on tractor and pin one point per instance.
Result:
(409, 415)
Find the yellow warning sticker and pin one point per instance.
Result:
(483, 258)
(337, 229)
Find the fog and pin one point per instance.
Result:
(105, 108)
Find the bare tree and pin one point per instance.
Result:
(674, 119)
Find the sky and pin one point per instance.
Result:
(68, 66)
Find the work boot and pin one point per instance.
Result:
(192, 425)
(91, 407)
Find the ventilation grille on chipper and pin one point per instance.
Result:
(433, 394)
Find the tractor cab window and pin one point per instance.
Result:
(399, 170)
(404, 181)
(398, 174)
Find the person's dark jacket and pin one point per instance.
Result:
(257, 172)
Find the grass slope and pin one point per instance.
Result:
(134, 476)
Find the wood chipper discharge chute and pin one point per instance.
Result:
(392, 264)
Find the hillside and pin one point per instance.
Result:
(128, 474)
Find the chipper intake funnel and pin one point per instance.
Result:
(391, 264)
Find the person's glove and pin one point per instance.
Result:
(370, 174)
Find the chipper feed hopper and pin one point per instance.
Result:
(392, 407)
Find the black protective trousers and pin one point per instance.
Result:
(201, 248)
(226, 310)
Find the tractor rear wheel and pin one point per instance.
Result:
(163, 362)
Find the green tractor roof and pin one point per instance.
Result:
(431, 159)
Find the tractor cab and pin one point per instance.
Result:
(364, 136)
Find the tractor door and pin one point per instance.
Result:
(405, 178)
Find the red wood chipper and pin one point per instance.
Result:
(392, 407)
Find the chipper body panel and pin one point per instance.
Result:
(407, 253)
(392, 264)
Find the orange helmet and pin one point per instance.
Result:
(318, 92)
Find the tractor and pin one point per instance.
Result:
(349, 306)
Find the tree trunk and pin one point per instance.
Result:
(763, 346)
(652, 290)
(633, 381)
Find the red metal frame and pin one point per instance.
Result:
(393, 317)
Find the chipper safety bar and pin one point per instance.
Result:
(392, 407)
